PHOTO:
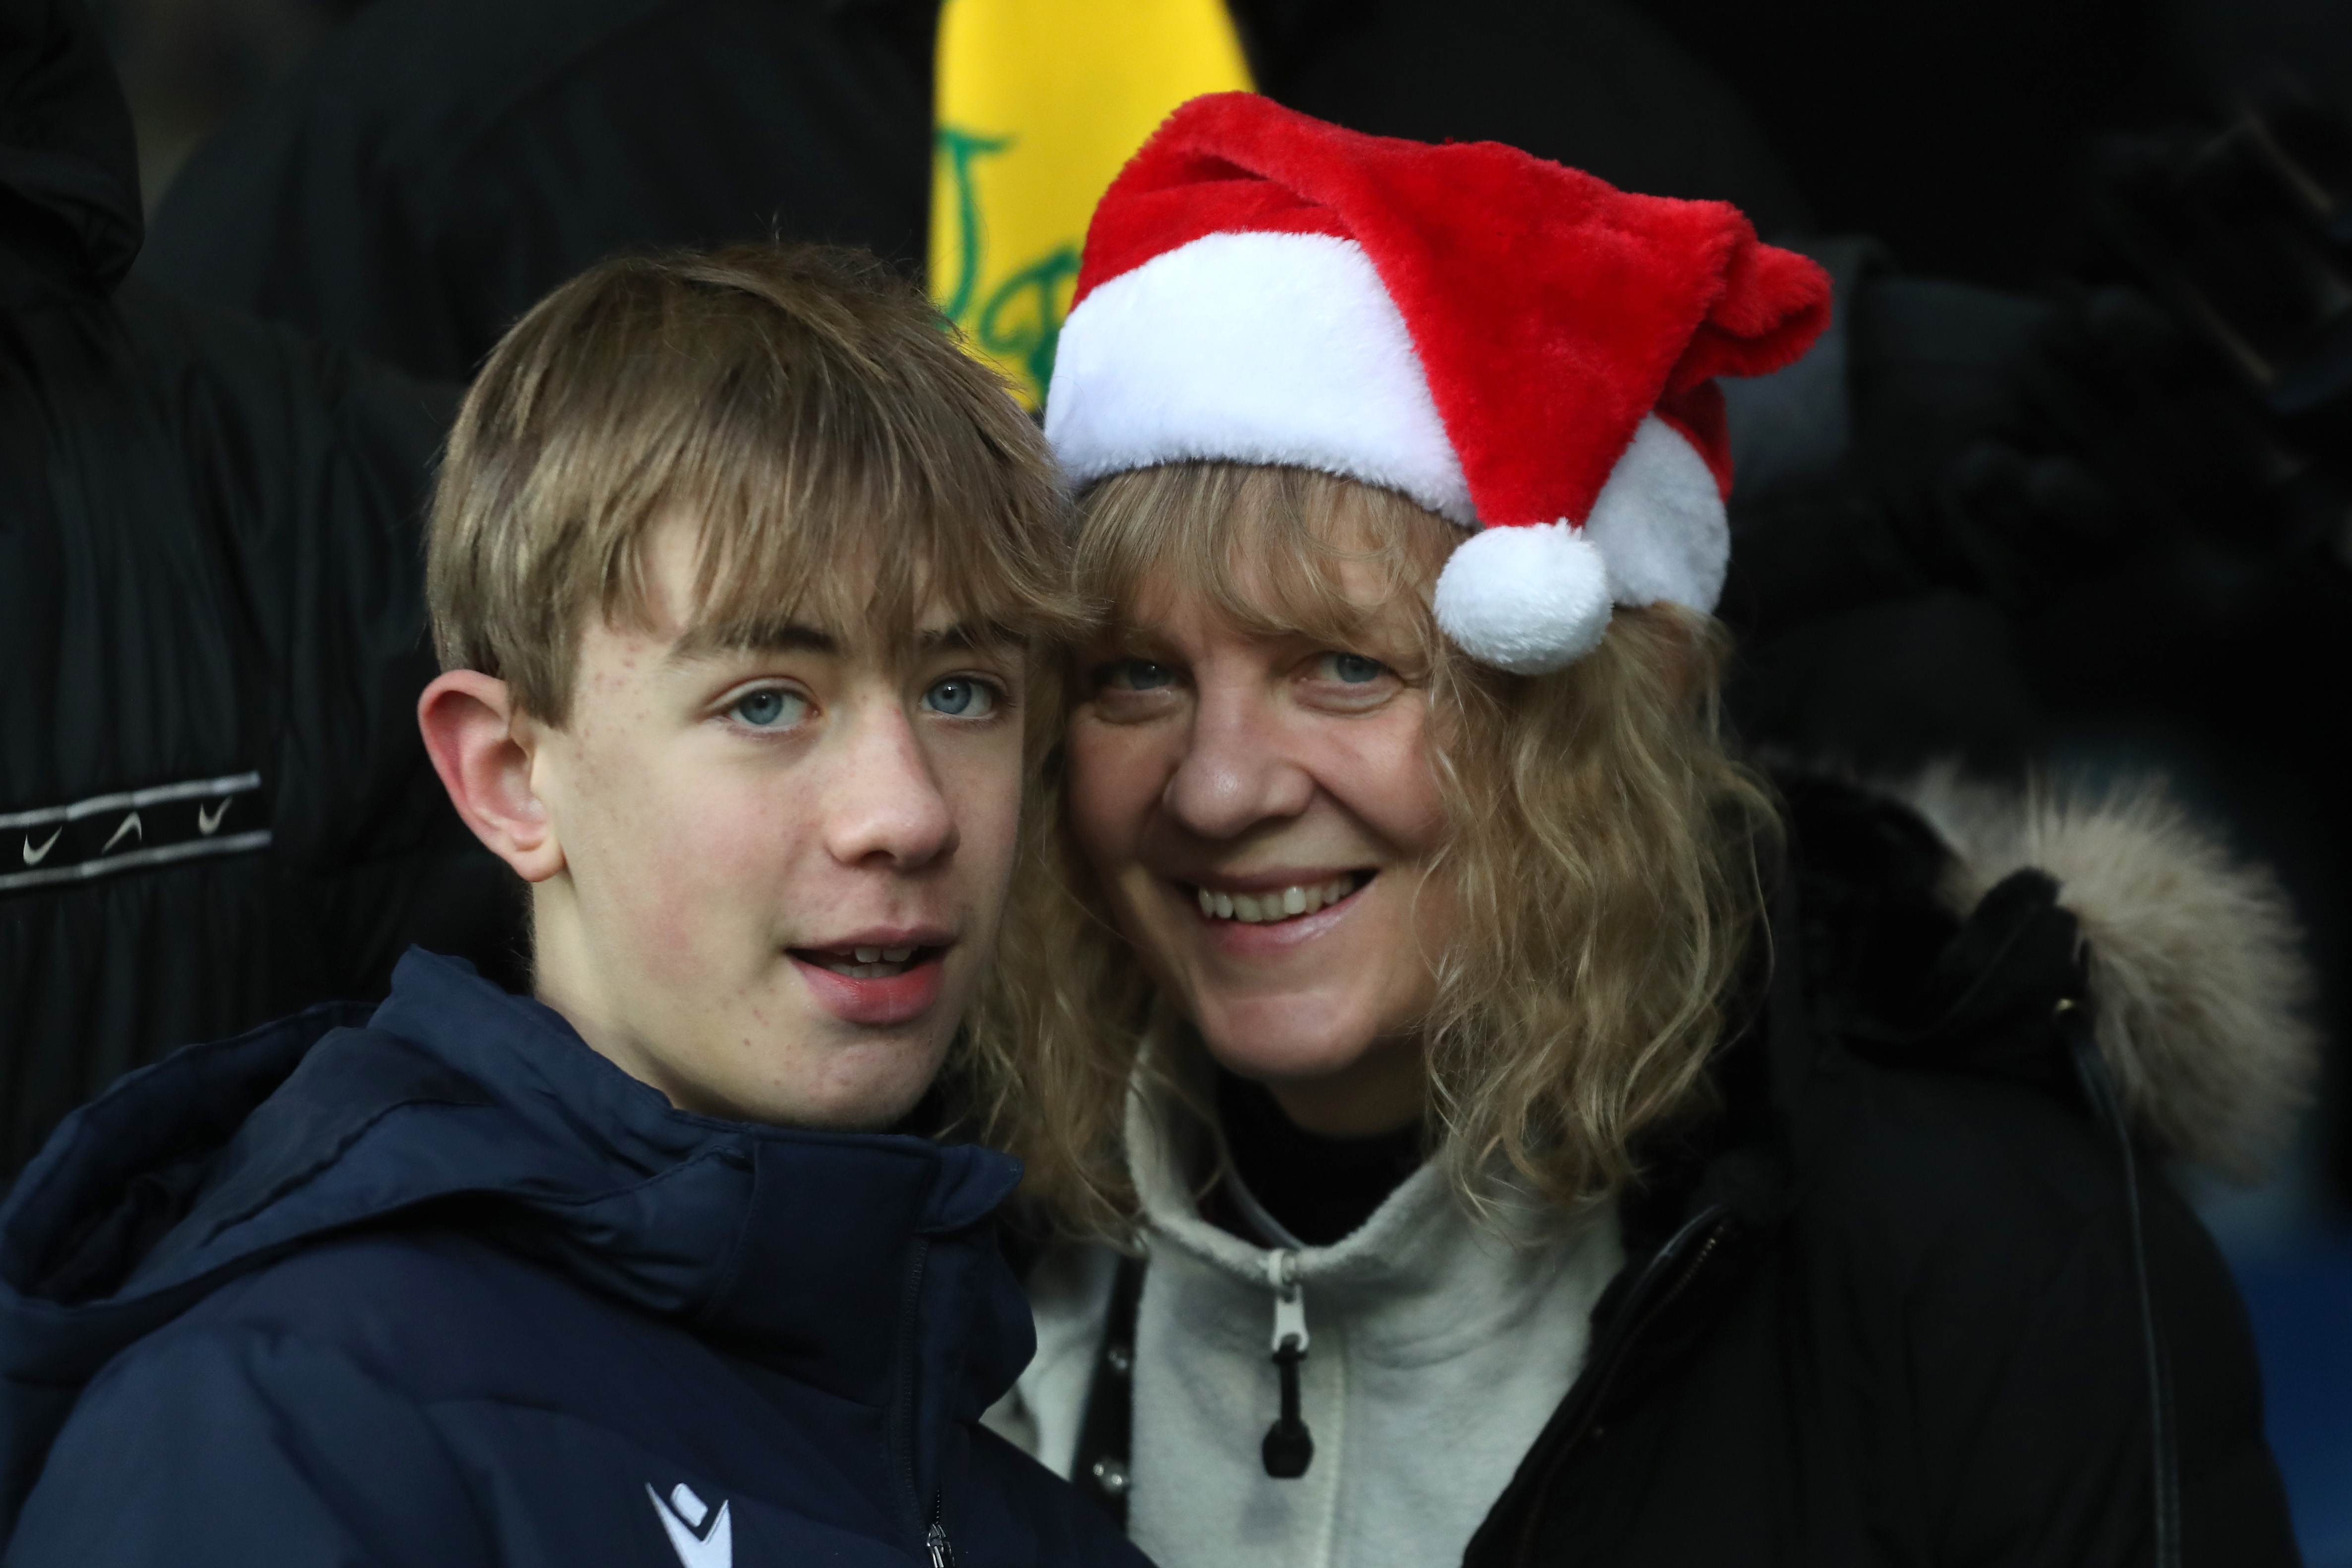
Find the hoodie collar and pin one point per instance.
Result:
(1419, 1271)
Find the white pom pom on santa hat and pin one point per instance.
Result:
(1517, 346)
(1530, 600)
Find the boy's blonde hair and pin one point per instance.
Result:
(1602, 850)
(845, 463)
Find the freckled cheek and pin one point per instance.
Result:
(709, 875)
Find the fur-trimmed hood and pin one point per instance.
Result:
(2196, 973)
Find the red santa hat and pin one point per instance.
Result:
(1514, 344)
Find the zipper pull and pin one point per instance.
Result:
(1289, 1448)
(936, 1538)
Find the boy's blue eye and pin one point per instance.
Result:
(1352, 669)
(1135, 675)
(960, 698)
(771, 707)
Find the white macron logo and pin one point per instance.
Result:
(701, 1540)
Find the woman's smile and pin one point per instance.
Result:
(1284, 921)
(1268, 901)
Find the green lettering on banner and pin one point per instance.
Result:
(1032, 335)
(1021, 319)
(959, 147)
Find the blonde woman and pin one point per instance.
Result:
(1480, 1120)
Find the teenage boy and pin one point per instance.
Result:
(734, 563)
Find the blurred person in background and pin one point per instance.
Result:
(213, 803)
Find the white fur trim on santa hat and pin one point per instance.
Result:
(1530, 600)
(1660, 523)
(1255, 347)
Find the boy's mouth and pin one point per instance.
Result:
(868, 963)
(1274, 906)
(877, 982)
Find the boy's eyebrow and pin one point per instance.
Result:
(759, 637)
(709, 640)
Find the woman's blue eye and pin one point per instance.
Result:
(1135, 675)
(1353, 668)
(771, 707)
(960, 698)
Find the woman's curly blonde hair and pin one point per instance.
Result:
(1601, 851)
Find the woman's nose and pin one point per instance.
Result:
(1237, 769)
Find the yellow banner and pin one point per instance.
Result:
(1040, 103)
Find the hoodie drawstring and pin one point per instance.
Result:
(1289, 1448)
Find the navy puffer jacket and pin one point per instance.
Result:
(442, 1286)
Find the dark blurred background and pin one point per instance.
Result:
(2092, 510)
(1951, 132)
(188, 65)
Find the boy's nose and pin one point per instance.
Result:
(888, 802)
(1236, 770)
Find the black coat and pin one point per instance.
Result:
(213, 803)
(1888, 1309)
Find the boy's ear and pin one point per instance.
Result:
(479, 746)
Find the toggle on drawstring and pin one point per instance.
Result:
(1289, 1448)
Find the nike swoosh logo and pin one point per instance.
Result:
(208, 823)
(713, 1548)
(129, 823)
(36, 856)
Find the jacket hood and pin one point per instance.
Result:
(2189, 959)
(71, 221)
(489, 1110)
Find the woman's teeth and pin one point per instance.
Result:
(1259, 909)
(868, 963)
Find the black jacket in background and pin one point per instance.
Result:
(214, 804)
(438, 166)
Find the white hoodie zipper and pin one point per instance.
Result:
(1289, 1301)
(1288, 1447)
